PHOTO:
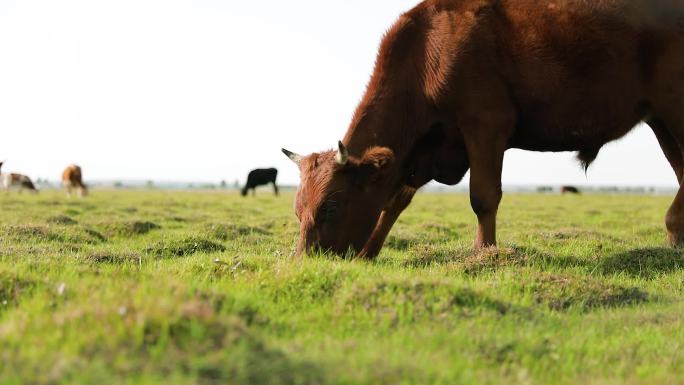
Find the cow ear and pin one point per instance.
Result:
(372, 165)
(379, 158)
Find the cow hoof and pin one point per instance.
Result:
(676, 240)
(480, 245)
(486, 249)
(367, 255)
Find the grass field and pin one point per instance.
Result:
(175, 288)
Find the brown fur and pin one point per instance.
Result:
(72, 178)
(458, 82)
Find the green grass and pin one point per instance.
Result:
(202, 288)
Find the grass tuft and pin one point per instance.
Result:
(62, 220)
(13, 288)
(62, 234)
(128, 228)
(185, 247)
(113, 258)
(493, 259)
(229, 232)
(403, 301)
(563, 292)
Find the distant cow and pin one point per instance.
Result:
(570, 190)
(261, 177)
(21, 182)
(72, 178)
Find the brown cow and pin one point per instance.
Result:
(458, 82)
(72, 178)
(18, 181)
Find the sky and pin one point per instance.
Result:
(204, 90)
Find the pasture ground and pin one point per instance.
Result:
(183, 288)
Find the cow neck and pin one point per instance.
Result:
(391, 123)
(387, 123)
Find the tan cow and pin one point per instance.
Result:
(72, 178)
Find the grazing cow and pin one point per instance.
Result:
(72, 178)
(570, 190)
(260, 177)
(21, 182)
(458, 82)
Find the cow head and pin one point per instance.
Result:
(340, 197)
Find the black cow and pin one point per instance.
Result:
(570, 190)
(260, 177)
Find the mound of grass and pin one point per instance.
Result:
(581, 234)
(113, 258)
(493, 259)
(62, 220)
(422, 256)
(64, 234)
(128, 228)
(28, 232)
(402, 239)
(563, 292)
(189, 338)
(234, 267)
(645, 263)
(407, 301)
(95, 236)
(12, 288)
(307, 286)
(184, 247)
(228, 232)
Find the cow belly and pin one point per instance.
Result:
(576, 129)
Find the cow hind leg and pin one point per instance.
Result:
(275, 189)
(670, 147)
(669, 129)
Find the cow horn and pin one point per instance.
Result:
(342, 156)
(293, 157)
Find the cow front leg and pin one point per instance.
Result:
(387, 219)
(486, 155)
